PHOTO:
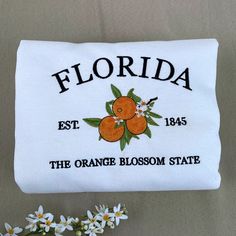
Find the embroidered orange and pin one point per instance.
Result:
(128, 117)
(137, 125)
(109, 131)
(124, 107)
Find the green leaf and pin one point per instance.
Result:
(148, 132)
(110, 102)
(151, 104)
(128, 139)
(133, 96)
(100, 137)
(135, 136)
(115, 91)
(129, 94)
(122, 143)
(94, 122)
(151, 121)
(128, 135)
(136, 98)
(108, 108)
(155, 115)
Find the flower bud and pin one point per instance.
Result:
(112, 226)
(78, 233)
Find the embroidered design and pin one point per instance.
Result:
(128, 117)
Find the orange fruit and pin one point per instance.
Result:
(124, 107)
(109, 131)
(137, 125)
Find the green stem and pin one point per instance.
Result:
(151, 100)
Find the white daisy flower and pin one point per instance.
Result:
(12, 231)
(105, 217)
(32, 226)
(142, 106)
(139, 113)
(48, 223)
(39, 215)
(66, 223)
(119, 215)
(93, 231)
(91, 219)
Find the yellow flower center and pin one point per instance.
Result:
(10, 231)
(40, 215)
(106, 217)
(118, 214)
(48, 222)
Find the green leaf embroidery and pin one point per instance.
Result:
(115, 91)
(155, 115)
(122, 143)
(108, 109)
(148, 132)
(128, 138)
(151, 121)
(110, 102)
(133, 96)
(151, 104)
(94, 122)
(136, 98)
(129, 94)
(128, 135)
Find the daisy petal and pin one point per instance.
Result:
(62, 218)
(90, 216)
(86, 221)
(124, 217)
(18, 230)
(69, 227)
(47, 228)
(48, 215)
(103, 224)
(40, 209)
(118, 207)
(7, 226)
(28, 226)
(117, 221)
(34, 228)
